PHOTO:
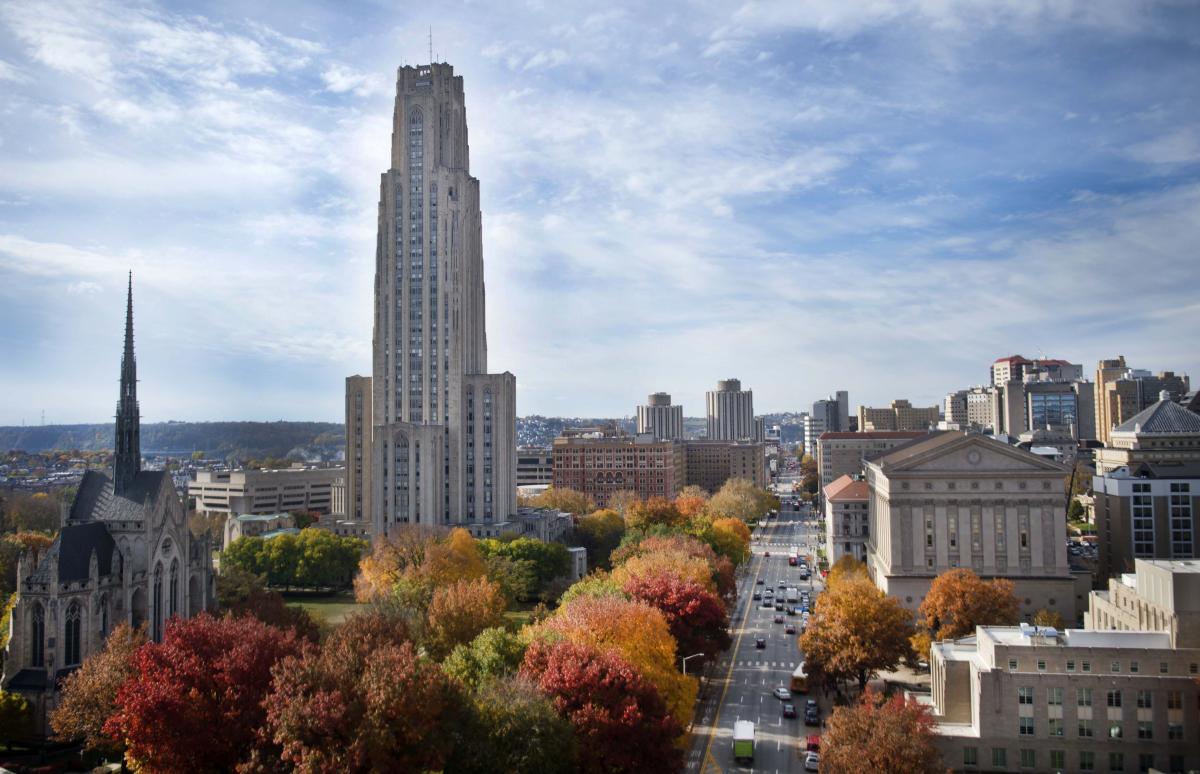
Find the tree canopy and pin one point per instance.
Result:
(890, 736)
(313, 558)
(959, 600)
(89, 695)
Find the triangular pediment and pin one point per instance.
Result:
(971, 453)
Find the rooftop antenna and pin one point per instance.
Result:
(431, 45)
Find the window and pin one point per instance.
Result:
(1085, 728)
(1114, 730)
(1145, 761)
(1056, 727)
(1174, 700)
(71, 654)
(1028, 759)
(1085, 666)
(1026, 726)
(999, 757)
(1134, 666)
(970, 756)
(1070, 665)
(1142, 513)
(1116, 667)
(1145, 700)
(1041, 665)
(1025, 696)
(1083, 697)
(1087, 760)
(1145, 729)
(1116, 761)
(37, 637)
(1054, 697)
(1162, 667)
(1058, 759)
(1114, 698)
(1012, 665)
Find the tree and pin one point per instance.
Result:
(621, 721)
(89, 694)
(512, 727)
(1049, 618)
(809, 474)
(600, 533)
(598, 584)
(16, 717)
(416, 559)
(517, 579)
(891, 736)
(691, 501)
(696, 617)
(674, 563)
(547, 561)
(855, 631)
(622, 500)
(364, 702)
(194, 702)
(675, 548)
(565, 499)
(494, 653)
(459, 612)
(637, 631)
(651, 512)
(959, 600)
(729, 538)
(242, 593)
(846, 567)
(1075, 511)
(739, 498)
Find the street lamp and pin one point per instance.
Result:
(685, 660)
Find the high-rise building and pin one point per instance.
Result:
(358, 449)
(900, 415)
(444, 435)
(1016, 368)
(730, 412)
(1121, 392)
(660, 418)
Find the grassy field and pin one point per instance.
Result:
(330, 609)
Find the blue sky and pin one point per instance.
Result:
(874, 196)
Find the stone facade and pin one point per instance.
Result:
(900, 415)
(953, 499)
(1160, 595)
(846, 518)
(842, 454)
(265, 491)
(358, 449)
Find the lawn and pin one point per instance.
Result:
(329, 609)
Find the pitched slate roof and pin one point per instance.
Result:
(71, 553)
(1166, 416)
(97, 501)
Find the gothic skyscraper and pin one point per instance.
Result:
(128, 457)
(443, 435)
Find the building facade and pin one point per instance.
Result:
(124, 554)
(709, 464)
(1160, 595)
(1121, 392)
(953, 499)
(730, 412)
(236, 492)
(358, 449)
(842, 454)
(660, 418)
(900, 415)
(1147, 511)
(1163, 433)
(599, 465)
(846, 518)
(444, 435)
(535, 466)
(1029, 699)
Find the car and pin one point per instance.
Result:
(804, 576)
(811, 704)
(760, 642)
(757, 595)
(765, 553)
(783, 693)
(791, 629)
(789, 710)
(812, 761)
(778, 619)
(812, 718)
(791, 609)
(759, 582)
(804, 607)
(781, 585)
(779, 606)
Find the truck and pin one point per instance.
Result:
(743, 741)
(799, 682)
(793, 595)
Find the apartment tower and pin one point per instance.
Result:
(660, 418)
(443, 441)
(730, 412)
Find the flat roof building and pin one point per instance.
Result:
(264, 491)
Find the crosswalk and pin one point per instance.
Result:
(771, 664)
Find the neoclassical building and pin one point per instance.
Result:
(124, 553)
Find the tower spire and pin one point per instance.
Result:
(128, 458)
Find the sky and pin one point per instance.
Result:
(876, 196)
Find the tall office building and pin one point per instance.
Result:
(1122, 392)
(443, 441)
(730, 412)
(358, 449)
(660, 418)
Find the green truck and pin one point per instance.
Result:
(743, 741)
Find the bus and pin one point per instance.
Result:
(800, 679)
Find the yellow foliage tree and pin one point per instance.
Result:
(565, 499)
(674, 563)
(845, 568)
(731, 538)
(421, 556)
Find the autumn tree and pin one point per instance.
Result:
(597, 584)
(565, 499)
(637, 631)
(459, 612)
(194, 702)
(651, 512)
(739, 498)
(510, 726)
(600, 533)
(494, 653)
(690, 501)
(1050, 618)
(959, 600)
(891, 736)
(696, 617)
(620, 719)
(678, 547)
(809, 474)
(846, 567)
(413, 560)
(89, 694)
(242, 593)
(622, 500)
(855, 631)
(729, 538)
(677, 564)
(363, 702)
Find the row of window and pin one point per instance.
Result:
(1114, 666)
(1056, 760)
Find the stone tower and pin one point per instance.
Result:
(128, 457)
(444, 435)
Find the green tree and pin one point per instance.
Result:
(511, 727)
(16, 717)
(600, 533)
(494, 653)
(547, 561)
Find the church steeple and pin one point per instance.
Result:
(129, 445)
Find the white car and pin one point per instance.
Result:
(783, 693)
(812, 762)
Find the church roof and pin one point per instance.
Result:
(72, 552)
(1166, 416)
(97, 500)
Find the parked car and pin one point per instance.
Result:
(783, 693)
(789, 710)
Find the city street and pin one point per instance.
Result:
(744, 678)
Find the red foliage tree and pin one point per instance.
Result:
(697, 617)
(621, 722)
(364, 702)
(194, 702)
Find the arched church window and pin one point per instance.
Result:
(103, 615)
(37, 637)
(157, 602)
(174, 587)
(71, 636)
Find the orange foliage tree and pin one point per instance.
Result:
(652, 512)
(959, 600)
(893, 736)
(89, 694)
(459, 612)
(417, 558)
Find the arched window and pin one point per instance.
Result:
(157, 602)
(103, 616)
(37, 637)
(71, 636)
(174, 587)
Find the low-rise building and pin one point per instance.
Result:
(1033, 699)
(709, 464)
(1160, 595)
(534, 466)
(255, 525)
(846, 512)
(899, 415)
(546, 524)
(601, 461)
(842, 454)
(264, 491)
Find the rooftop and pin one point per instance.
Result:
(1165, 416)
(846, 488)
(1026, 636)
(245, 517)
